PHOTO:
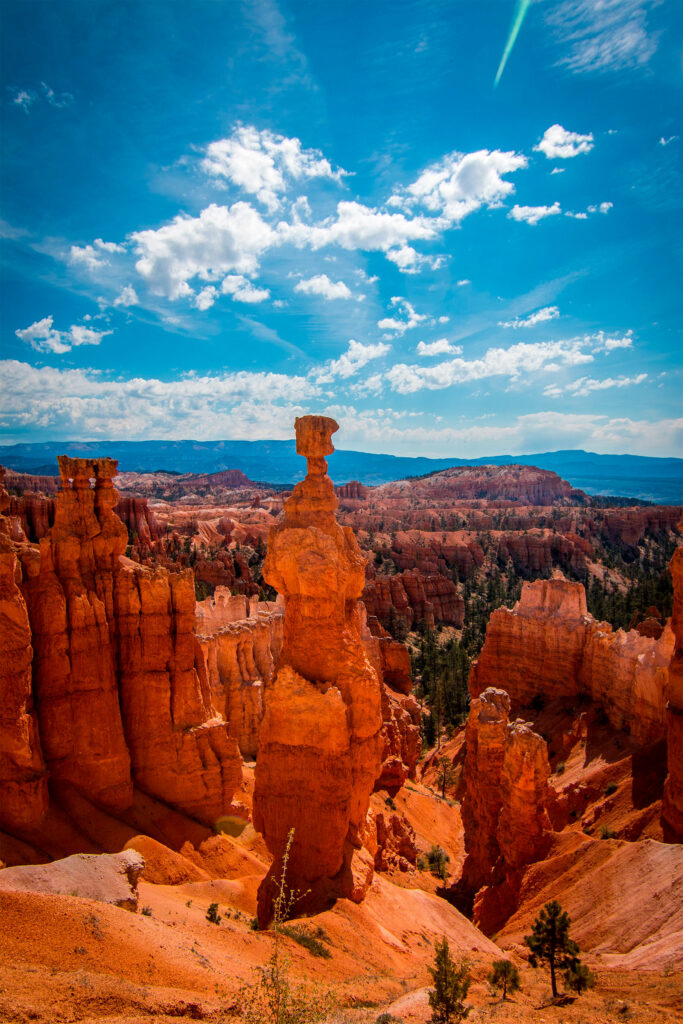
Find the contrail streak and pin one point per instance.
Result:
(520, 11)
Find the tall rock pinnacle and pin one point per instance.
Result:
(319, 745)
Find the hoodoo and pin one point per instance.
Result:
(319, 743)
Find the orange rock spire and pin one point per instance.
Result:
(319, 744)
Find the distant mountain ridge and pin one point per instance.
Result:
(636, 476)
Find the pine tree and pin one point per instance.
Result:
(550, 941)
(504, 975)
(451, 984)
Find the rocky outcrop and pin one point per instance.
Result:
(396, 848)
(69, 590)
(672, 802)
(630, 525)
(353, 491)
(35, 514)
(107, 878)
(27, 483)
(525, 484)
(140, 520)
(504, 807)
(240, 641)
(118, 699)
(411, 597)
(548, 647)
(319, 743)
(538, 551)
(23, 785)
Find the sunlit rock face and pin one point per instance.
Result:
(118, 700)
(319, 744)
(549, 646)
(672, 804)
(23, 779)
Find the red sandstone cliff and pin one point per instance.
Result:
(319, 743)
(412, 597)
(548, 646)
(23, 785)
(118, 700)
(672, 803)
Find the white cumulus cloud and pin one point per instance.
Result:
(559, 144)
(355, 358)
(321, 285)
(532, 214)
(127, 297)
(461, 183)
(43, 337)
(264, 164)
(406, 317)
(442, 347)
(219, 240)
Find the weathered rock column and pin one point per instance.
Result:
(23, 778)
(319, 743)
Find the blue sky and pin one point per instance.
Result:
(219, 215)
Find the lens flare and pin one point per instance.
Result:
(520, 10)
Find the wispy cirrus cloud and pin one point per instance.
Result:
(602, 35)
(539, 317)
(585, 385)
(350, 362)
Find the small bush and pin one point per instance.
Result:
(610, 788)
(421, 862)
(390, 803)
(606, 833)
(504, 975)
(438, 859)
(146, 911)
(212, 914)
(559, 770)
(189, 903)
(253, 924)
(308, 941)
(579, 977)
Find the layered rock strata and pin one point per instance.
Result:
(412, 597)
(548, 646)
(23, 778)
(672, 802)
(504, 807)
(240, 641)
(319, 743)
(118, 699)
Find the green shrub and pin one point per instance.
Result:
(305, 939)
(606, 833)
(146, 911)
(438, 859)
(504, 975)
(451, 983)
(212, 914)
(560, 767)
(610, 788)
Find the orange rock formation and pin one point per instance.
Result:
(319, 744)
(504, 807)
(549, 646)
(23, 785)
(119, 702)
(672, 803)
